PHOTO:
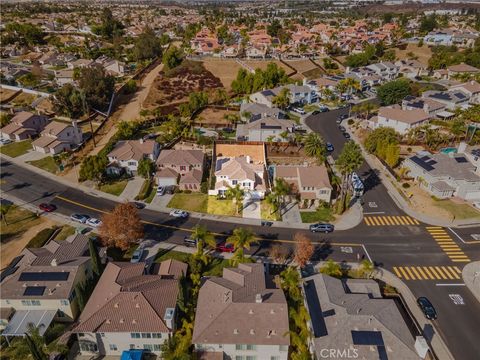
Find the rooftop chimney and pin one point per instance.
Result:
(258, 298)
(53, 262)
(169, 317)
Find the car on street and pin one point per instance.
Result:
(5, 141)
(322, 227)
(324, 108)
(160, 191)
(137, 254)
(346, 135)
(93, 222)
(330, 147)
(179, 213)
(137, 204)
(47, 207)
(342, 128)
(81, 218)
(190, 242)
(224, 247)
(427, 308)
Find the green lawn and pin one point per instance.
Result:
(266, 212)
(66, 231)
(460, 211)
(16, 148)
(323, 214)
(214, 268)
(16, 222)
(294, 117)
(203, 203)
(114, 188)
(47, 163)
(310, 107)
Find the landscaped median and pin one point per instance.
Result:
(203, 203)
(16, 148)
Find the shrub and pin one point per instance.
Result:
(187, 191)
(409, 149)
(406, 185)
(350, 122)
(145, 191)
(204, 187)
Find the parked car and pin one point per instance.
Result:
(5, 141)
(316, 112)
(342, 128)
(47, 207)
(299, 110)
(321, 227)
(93, 222)
(137, 254)
(346, 135)
(81, 218)
(190, 242)
(224, 247)
(266, 223)
(324, 108)
(427, 308)
(137, 204)
(169, 190)
(179, 213)
(160, 191)
(330, 147)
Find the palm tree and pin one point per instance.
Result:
(241, 239)
(289, 281)
(203, 237)
(282, 100)
(280, 190)
(349, 160)
(315, 147)
(236, 193)
(332, 268)
(271, 199)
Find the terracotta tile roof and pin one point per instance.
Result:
(192, 177)
(126, 300)
(166, 173)
(308, 176)
(241, 307)
(406, 116)
(180, 157)
(132, 149)
(171, 268)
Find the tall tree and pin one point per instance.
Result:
(394, 91)
(315, 147)
(236, 193)
(241, 239)
(97, 86)
(122, 227)
(97, 266)
(303, 249)
(147, 45)
(349, 160)
(204, 237)
(282, 100)
(332, 268)
(146, 167)
(70, 101)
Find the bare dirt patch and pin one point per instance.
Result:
(213, 116)
(424, 53)
(262, 64)
(5, 94)
(174, 86)
(225, 70)
(301, 65)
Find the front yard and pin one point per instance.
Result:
(47, 163)
(198, 202)
(458, 211)
(16, 148)
(321, 214)
(266, 212)
(214, 267)
(114, 188)
(15, 222)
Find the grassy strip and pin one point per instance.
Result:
(16, 148)
(47, 163)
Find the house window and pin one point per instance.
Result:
(240, 347)
(157, 347)
(234, 182)
(113, 347)
(183, 168)
(157, 335)
(26, 303)
(251, 357)
(60, 314)
(73, 294)
(251, 347)
(102, 334)
(132, 346)
(146, 335)
(283, 347)
(132, 163)
(81, 334)
(88, 346)
(135, 335)
(148, 347)
(274, 357)
(64, 302)
(239, 357)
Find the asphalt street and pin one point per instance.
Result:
(407, 248)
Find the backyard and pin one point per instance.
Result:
(16, 148)
(198, 202)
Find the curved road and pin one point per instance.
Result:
(403, 246)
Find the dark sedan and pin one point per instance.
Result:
(427, 308)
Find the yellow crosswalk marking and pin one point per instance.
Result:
(429, 273)
(441, 273)
(432, 269)
(409, 220)
(381, 220)
(419, 269)
(445, 270)
(416, 273)
(456, 269)
(433, 227)
(461, 260)
(387, 220)
(397, 272)
(367, 220)
(394, 218)
(399, 218)
(404, 273)
(451, 271)
(410, 273)
(416, 222)
(376, 221)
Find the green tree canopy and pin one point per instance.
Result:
(172, 57)
(97, 86)
(147, 45)
(70, 101)
(394, 91)
(145, 168)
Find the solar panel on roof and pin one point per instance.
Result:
(365, 337)
(461, 160)
(43, 276)
(34, 291)
(422, 163)
(268, 93)
(460, 95)
(475, 152)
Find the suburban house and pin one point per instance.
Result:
(385, 69)
(64, 76)
(351, 316)
(445, 175)
(429, 106)
(40, 283)
(24, 125)
(242, 171)
(320, 84)
(182, 167)
(411, 68)
(439, 37)
(129, 309)
(453, 70)
(266, 129)
(58, 137)
(127, 154)
(242, 315)
(399, 118)
(250, 112)
(310, 182)
(298, 94)
(452, 99)
(471, 88)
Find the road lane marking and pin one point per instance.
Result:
(410, 273)
(432, 269)
(367, 220)
(430, 275)
(419, 273)
(390, 220)
(405, 275)
(451, 284)
(461, 239)
(422, 274)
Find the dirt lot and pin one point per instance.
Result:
(424, 53)
(213, 116)
(23, 99)
(285, 154)
(301, 65)
(225, 70)
(5, 94)
(262, 64)
(175, 86)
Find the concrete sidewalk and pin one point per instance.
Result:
(471, 278)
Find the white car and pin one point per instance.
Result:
(179, 213)
(137, 254)
(300, 111)
(160, 191)
(5, 141)
(93, 222)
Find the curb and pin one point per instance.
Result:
(471, 278)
